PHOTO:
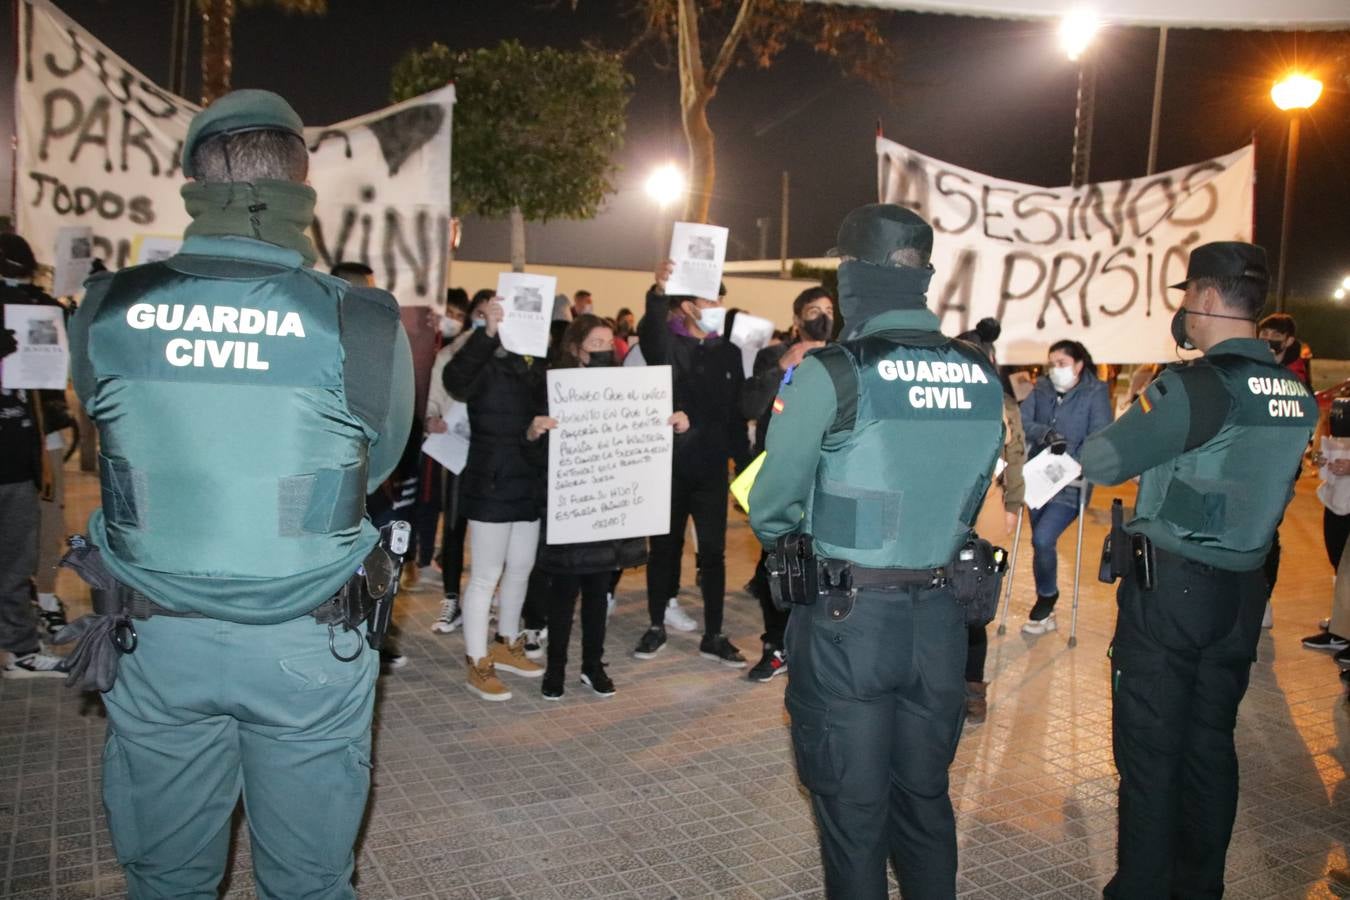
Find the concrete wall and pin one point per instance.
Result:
(611, 289)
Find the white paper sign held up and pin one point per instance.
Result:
(528, 301)
(1047, 474)
(609, 458)
(698, 252)
(43, 356)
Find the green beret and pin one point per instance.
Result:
(237, 112)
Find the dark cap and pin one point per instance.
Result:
(1226, 259)
(236, 113)
(873, 232)
(16, 257)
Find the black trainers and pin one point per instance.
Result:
(553, 687)
(716, 646)
(1342, 658)
(390, 657)
(1325, 640)
(773, 662)
(596, 679)
(51, 612)
(653, 639)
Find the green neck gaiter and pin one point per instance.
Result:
(277, 212)
(867, 290)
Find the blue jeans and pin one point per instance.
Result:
(1047, 524)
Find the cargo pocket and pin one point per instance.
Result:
(347, 804)
(118, 801)
(813, 746)
(317, 669)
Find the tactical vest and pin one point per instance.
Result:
(1229, 493)
(905, 466)
(229, 450)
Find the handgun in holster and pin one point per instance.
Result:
(378, 580)
(1116, 548)
(793, 573)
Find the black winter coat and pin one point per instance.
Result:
(501, 481)
(707, 376)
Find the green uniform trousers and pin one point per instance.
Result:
(1180, 660)
(204, 711)
(877, 700)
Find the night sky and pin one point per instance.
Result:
(995, 96)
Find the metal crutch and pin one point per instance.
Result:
(1078, 560)
(1012, 568)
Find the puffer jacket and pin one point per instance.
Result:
(501, 481)
(1083, 410)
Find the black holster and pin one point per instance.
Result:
(1144, 560)
(1116, 551)
(793, 576)
(976, 576)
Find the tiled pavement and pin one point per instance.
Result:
(681, 786)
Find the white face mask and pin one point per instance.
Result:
(712, 319)
(1062, 377)
(450, 327)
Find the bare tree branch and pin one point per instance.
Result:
(727, 55)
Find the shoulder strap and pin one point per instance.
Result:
(842, 367)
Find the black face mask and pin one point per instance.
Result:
(601, 359)
(1276, 347)
(1179, 329)
(818, 329)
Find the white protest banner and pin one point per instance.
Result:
(147, 248)
(43, 356)
(699, 252)
(751, 334)
(528, 301)
(99, 145)
(1047, 474)
(1090, 263)
(73, 258)
(609, 458)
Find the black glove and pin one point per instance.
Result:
(7, 342)
(1057, 443)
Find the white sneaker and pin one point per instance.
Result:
(1040, 626)
(610, 603)
(450, 617)
(1268, 620)
(534, 642)
(677, 618)
(33, 665)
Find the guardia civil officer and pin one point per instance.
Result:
(246, 405)
(1216, 443)
(881, 450)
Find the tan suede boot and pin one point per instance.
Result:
(511, 657)
(483, 680)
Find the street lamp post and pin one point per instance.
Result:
(1075, 35)
(665, 186)
(1293, 94)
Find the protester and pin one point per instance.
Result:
(1334, 492)
(582, 304)
(586, 568)
(1280, 331)
(1065, 407)
(449, 324)
(246, 674)
(455, 326)
(813, 315)
(499, 493)
(997, 521)
(707, 375)
(27, 419)
(625, 336)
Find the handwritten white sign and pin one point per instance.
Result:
(698, 252)
(751, 334)
(528, 301)
(43, 356)
(609, 458)
(74, 258)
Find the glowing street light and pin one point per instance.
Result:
(665, 185)
(1296, 91)
(1076, 31)
(1340, 294)
(1293, 94)
(1345, 283)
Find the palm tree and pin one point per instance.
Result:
(218, 37)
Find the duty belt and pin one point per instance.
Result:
(136, 605)
(838, 574)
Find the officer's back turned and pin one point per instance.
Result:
(245, 405)
(878, 460)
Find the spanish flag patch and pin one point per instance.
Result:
(777, 404)
(1144, 403)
